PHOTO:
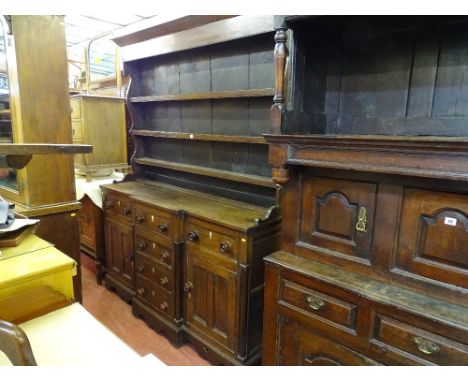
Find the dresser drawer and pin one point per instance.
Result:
(154, 272)
(158, 248)
(154, 295)
(118, 204)
(75, 105)
(211, 238)
(316, 304)
(77, 130)
(418, 346)
(154, 219)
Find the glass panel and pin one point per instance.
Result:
(102, 59)
(7, 176)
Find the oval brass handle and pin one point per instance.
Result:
(426, 346)
(164, 306)
(164, 281)
(141, 291)
(141, 268)
(162, 228)
(225, 247)
(140, 219)
(109, 203)
(188, 287)
(126, 210)
(315, 303)
(193, 235)
(164, 256)
(141, 244)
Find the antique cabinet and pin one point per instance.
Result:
(197, 265)
(202, 201)
(369, 143)
(98, 120)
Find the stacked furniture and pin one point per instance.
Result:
(373, 261)
(187, 232)
(99, 120)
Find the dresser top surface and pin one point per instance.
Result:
(227, 212)
(373, 289)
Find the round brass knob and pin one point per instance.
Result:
(162, 228)
(130, 257)
(165, 256)
(193, 235)
(188, 287)
(164, 281)
(126, 211)
(225, 247)
(140, 219)
(140, 268)
(109, 203)
(141, 244)
(141, 291)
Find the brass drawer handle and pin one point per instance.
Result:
(165, 256)
(164, 306)
(188, 287)
(141, 291)
(139, 219)
(315, 303)
(426, 346)
(193, 235)
(225, 247)
(362, 220)
(162, 228)
(164, 281)
(141, 244)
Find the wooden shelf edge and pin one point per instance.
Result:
(215, 173)
(266, 92)
(199, 137)
(43, 148)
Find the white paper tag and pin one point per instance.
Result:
(450, 221)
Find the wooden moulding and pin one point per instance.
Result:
(266, 92)
(212, 33)
(199, 137)
(434, 157)
(200, 170)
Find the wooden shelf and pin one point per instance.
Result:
(215, 173)
(199, 137)
(266, 92)
(43, 148)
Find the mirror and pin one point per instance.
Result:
(7, 175)
(102, 60)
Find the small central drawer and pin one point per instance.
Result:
(154, 295)
(211, 238)
(317, 304)
(157, 248)
(154, 219)
(400, 337)
(118, 204)
(153, 272)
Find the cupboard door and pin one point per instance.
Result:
(338, 215)
(433, 236)
(210, 295)
(119, 250)
(301, 347)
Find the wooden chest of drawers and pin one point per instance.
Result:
(197, 269)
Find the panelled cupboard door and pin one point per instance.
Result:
(433, 236)
(302, 347)
(119, 249)
(210, 295)
(337, 215)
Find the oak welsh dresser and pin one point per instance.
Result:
(370, 145)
